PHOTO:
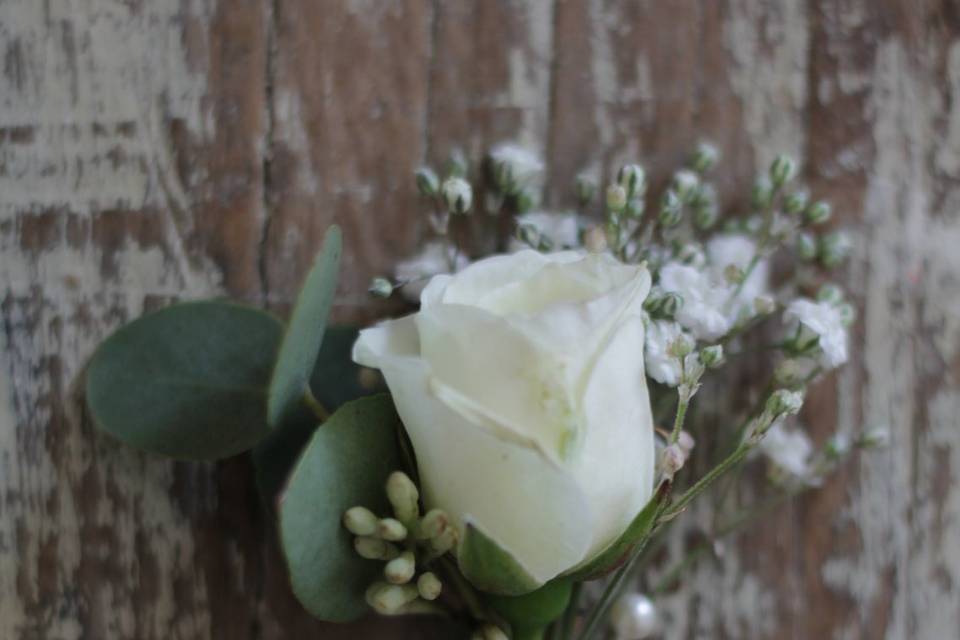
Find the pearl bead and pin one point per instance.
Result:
(633, 617)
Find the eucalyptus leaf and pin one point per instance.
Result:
(336, 379)
(640, 527)
(490, 568)
(346, 464)
(188, 381)
(304, 335)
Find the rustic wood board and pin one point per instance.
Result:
(161, 149)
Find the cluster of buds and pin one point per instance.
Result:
(404, 542)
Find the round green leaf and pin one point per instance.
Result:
(188, 381)
(304, 335)
(345, 464)
(490, 568)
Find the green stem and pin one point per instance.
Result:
(683, 402)
(466, 591)
(738, 454)
(315, 405)
(570, 615)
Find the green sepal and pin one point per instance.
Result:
(638, 530)
(304, 335)
(530, 614)
(345, 464)
(188, 381)
(491, 569)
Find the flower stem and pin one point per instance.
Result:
(570, 615)
(315, 405)
(700, 485)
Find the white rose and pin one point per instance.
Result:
(521, 385)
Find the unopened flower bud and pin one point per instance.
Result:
(595, 239)
(458, 195)
(764, 305)
(616, 197)
(360, 521)
(374, 548)
(444, 541)
(704, 157)
(712, 356)
(762, 194)
(586, 187)
(634, 208)
(784, 402)
(633, 179)
(834, 248)
(796, 202)
(529, 235)
(807, 245)
(789, 373)
(388, 599)
(457, 165)
(671, 460)
(705, 208)
(671, 208)
(391, 529)
(837, 446)
(733, 274)
(433, 524)
(685, 184)
(818, 212)
(403, 496)
(427, 181)
(686, 442)
(400, 570)
(782, 170)
(848, 314)
(680, 347)
(429, 586)
(525, 201)
(490, 632)
(830, 293)
(380, 287)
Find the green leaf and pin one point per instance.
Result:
(489, 568)
(335, 380)
(304, 335)
(188, 381)
(345, 464)
(616, 553)
(529, 614)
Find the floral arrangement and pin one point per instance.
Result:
(539, 415)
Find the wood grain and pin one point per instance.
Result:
(185, 148)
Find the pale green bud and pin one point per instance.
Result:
(733, 274)
(525, 201)
(427, 181)
(807, 245)
(458, 195)
(389, 599)
(796, 202)
(782, 170)
(391, 529)
(712, 356)
(671, 209)
(764, 305)
(685, 184)
(830, 293)
(380, 287)
(360, 521)
(444, 541)
(663, 304)
(634, 208)
(457, 165)
(705, 208)
(834, 248)
(616, 197)
(433, 524)
(633, 179)
(374, 548)
(848, 314)
(491, 632)
(789, 373)
(704, 157)
(403, 496)
(529, 235)
(762, 194)
(837, 446)
(586, 187)
(429, 586)
(875, 438)
(784, 402)
(680, 347)
(400, 570)
(595, 239)
(818, 212)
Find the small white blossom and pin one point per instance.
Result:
(417, 270)
(738, 249)
(514, 165)
(704, 298)
(661, 366)
(819, 320)
(789, 449)
(561, 229)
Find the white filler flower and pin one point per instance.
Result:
(433, 259)
(520, 386)
(738, 249)
(661, 366)
(704, 299)
(522, 165)
(788, 449)
(561, 229)
(819, 320)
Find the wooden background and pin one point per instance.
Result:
(155, 149)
